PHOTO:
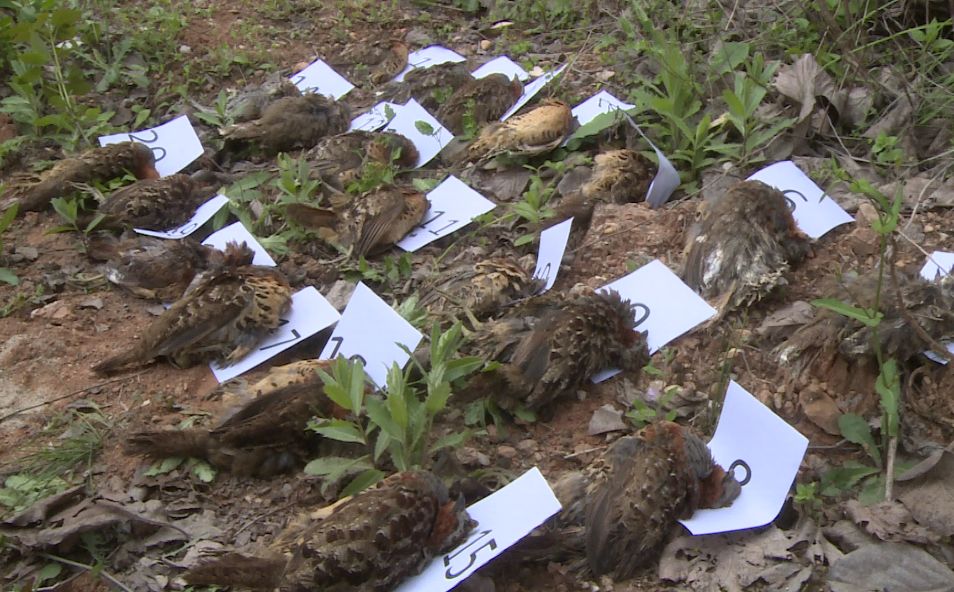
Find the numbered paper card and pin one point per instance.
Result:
(814, 212)
(174, 143)
(321, 78)
(375, 118)
(417, 125)
(665, 307)
(600, 103)
(938, 265)
(202, 215)
(309, 314)
(429, 56)
(238, 233)
(503, 518)
(763, 451)
(552, 246)
(530, 90)
(371, 331)
(502, 65)
(452, 206)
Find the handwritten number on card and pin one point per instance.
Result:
(298, 79)
(295, 335)
(640, 319)
(744, 465)
(791, 202)
(159, 151)
(450, 574)
(544, 273)
(334, 353)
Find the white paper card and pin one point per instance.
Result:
(309, 313)
(501, 65)
(601, 102)
(764, 453)
(665, 307)
(665, 181)
(530, 90)
(321, 78)
(174, 143)
(503, 518)
(238, 233)
(374, 118)
(411, 122)
(452, 206)
(370, 330)
(552, 246)
(814, 212)
(202, 215)
(429, 56)
(938, 265)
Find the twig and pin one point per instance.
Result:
(889, 468)
(68, 395)
(102, 572)
(582, 452)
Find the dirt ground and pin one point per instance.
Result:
(70, 318)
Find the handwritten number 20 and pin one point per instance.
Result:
(450, 574)
(142, 138)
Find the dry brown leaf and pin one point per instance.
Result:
(890, 521)
(890, 566)
(606, 419)
(928, 497)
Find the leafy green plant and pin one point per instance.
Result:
(642, 412)
(6, 219)
(532, 206)
(886, 150)
(69, 211)
(394, 426)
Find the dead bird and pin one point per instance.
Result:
(341, 159)
(160, 269)
(430, 87)
(222, 316)
(34, 192)
(266, 436)
(480, 101)
(483, 288)
(620, 510)
(250, 102)
(159, 204)
(536, 132)
(743, 245)
(290, 123)
(369, 223)
(368, 543)
(550, 346)
(376, 62)
(619, 176)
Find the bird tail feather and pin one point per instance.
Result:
(234, 569)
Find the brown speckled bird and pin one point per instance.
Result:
(480, 101)
(369, 223)
(159, 269)
(619, 511)
(376, 62)
(265, 437)
(341, 159)
(428, 86)
(369, 543)
(619, 176)
(34, 193)
(250, 102)
(222, 316)
(550, 346)
(291, 123)
(159, 204)
(743, 245)
(831, 335)
(482, 289)
(535, 132)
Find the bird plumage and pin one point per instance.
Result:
(536, 132)
(291, 123)
(479, 101)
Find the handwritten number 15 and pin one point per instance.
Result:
(450, 574)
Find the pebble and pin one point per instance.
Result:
(185, 49)
(486, 44)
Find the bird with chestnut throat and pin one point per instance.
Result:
(620, 510)
(742, 246)
(368, 543)
(222, 316)
(549, 346)
(34, 193)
